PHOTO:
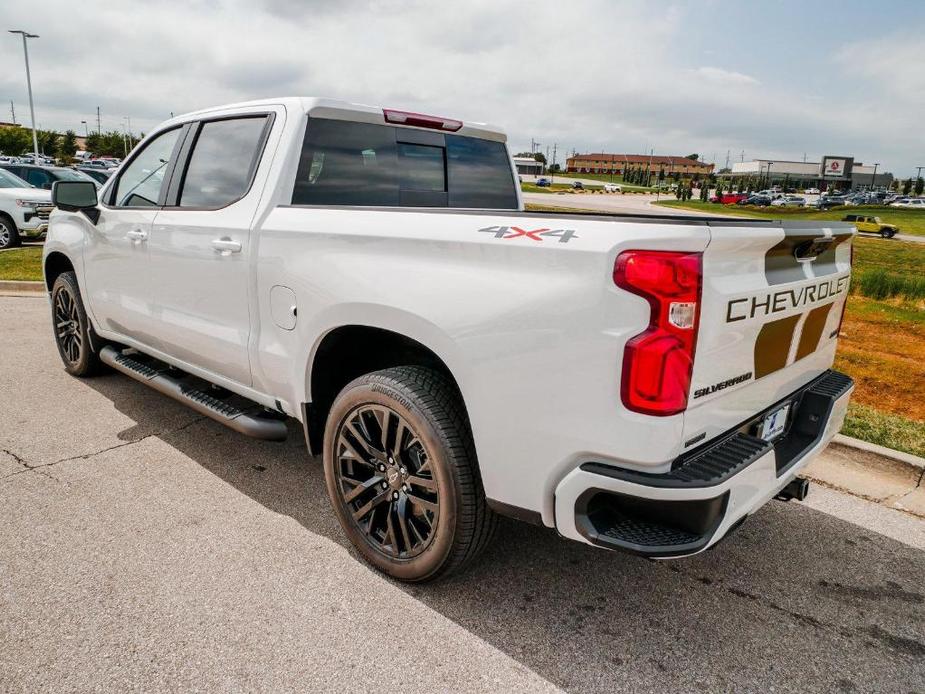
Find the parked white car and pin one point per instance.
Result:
(637, 384)
(811, 191)
(789, 201)
(910, 203)
(24, 210)
(612, 188)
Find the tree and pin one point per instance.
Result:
(15, 141)
(919, 185)
(693, 157)
(907, 186)
(48, 142)
(67, 146)
(540, 157)
(704, 192)
(110, 144)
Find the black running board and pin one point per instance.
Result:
(200, 401)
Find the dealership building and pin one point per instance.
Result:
(833, 171)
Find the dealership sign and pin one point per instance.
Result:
(836, 167)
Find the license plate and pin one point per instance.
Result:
(775, 423)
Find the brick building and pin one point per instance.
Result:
(616, 163)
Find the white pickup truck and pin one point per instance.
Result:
(637, 383)
(24, 210)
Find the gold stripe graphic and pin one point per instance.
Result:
(812, 330)
(773, 345)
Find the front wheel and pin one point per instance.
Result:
(72, 327)
(9, 235)
(402, 475)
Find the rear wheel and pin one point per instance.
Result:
(402, 475)
(9, 235)
(72, 327)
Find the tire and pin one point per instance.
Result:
(72, 328)
(9, 234)
(414, 507)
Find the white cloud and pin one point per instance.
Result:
(718, 75)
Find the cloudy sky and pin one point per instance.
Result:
(775, 79)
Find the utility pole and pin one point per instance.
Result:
(13, 112)
(727, 159)
(99, 130)
(25, 49)
(552, 173)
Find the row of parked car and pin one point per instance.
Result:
(25, 192)
(774, 198)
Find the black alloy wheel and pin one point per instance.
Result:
(74, 335)
(385, 479)
(67, 325)
(402, 474)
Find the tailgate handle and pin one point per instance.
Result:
(808, 251)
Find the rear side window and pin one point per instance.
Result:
(347, 163)
(223, 161)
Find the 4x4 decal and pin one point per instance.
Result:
(500, 232)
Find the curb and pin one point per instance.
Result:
(22, 286)
(884, 452)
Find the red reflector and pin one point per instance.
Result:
(420, 120)
(657, 363)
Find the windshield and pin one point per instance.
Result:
(8, 180)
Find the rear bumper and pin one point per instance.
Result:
(710, 490)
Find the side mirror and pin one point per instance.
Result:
(76, 196)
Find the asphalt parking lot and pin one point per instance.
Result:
(145, 548)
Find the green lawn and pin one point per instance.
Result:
(909, 221)
(21, 264)
(885, 429)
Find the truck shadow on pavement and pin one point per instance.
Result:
(796, 598)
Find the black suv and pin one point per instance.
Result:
(45, 176)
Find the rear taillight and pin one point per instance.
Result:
(657, 363)
(420, 120)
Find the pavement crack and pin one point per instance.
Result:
(43, 467)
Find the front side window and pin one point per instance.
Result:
(223, 161)
(39, 178)
(140, 183)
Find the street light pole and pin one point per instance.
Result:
(25, 50)
(769, 174)
(86, 129)
(873, 177)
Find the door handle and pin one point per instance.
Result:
(226, 246)
(137, 235)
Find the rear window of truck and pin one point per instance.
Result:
(363, 164)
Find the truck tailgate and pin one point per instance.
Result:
(771, 306)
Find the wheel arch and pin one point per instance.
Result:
(54, 264)
(350, 350)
